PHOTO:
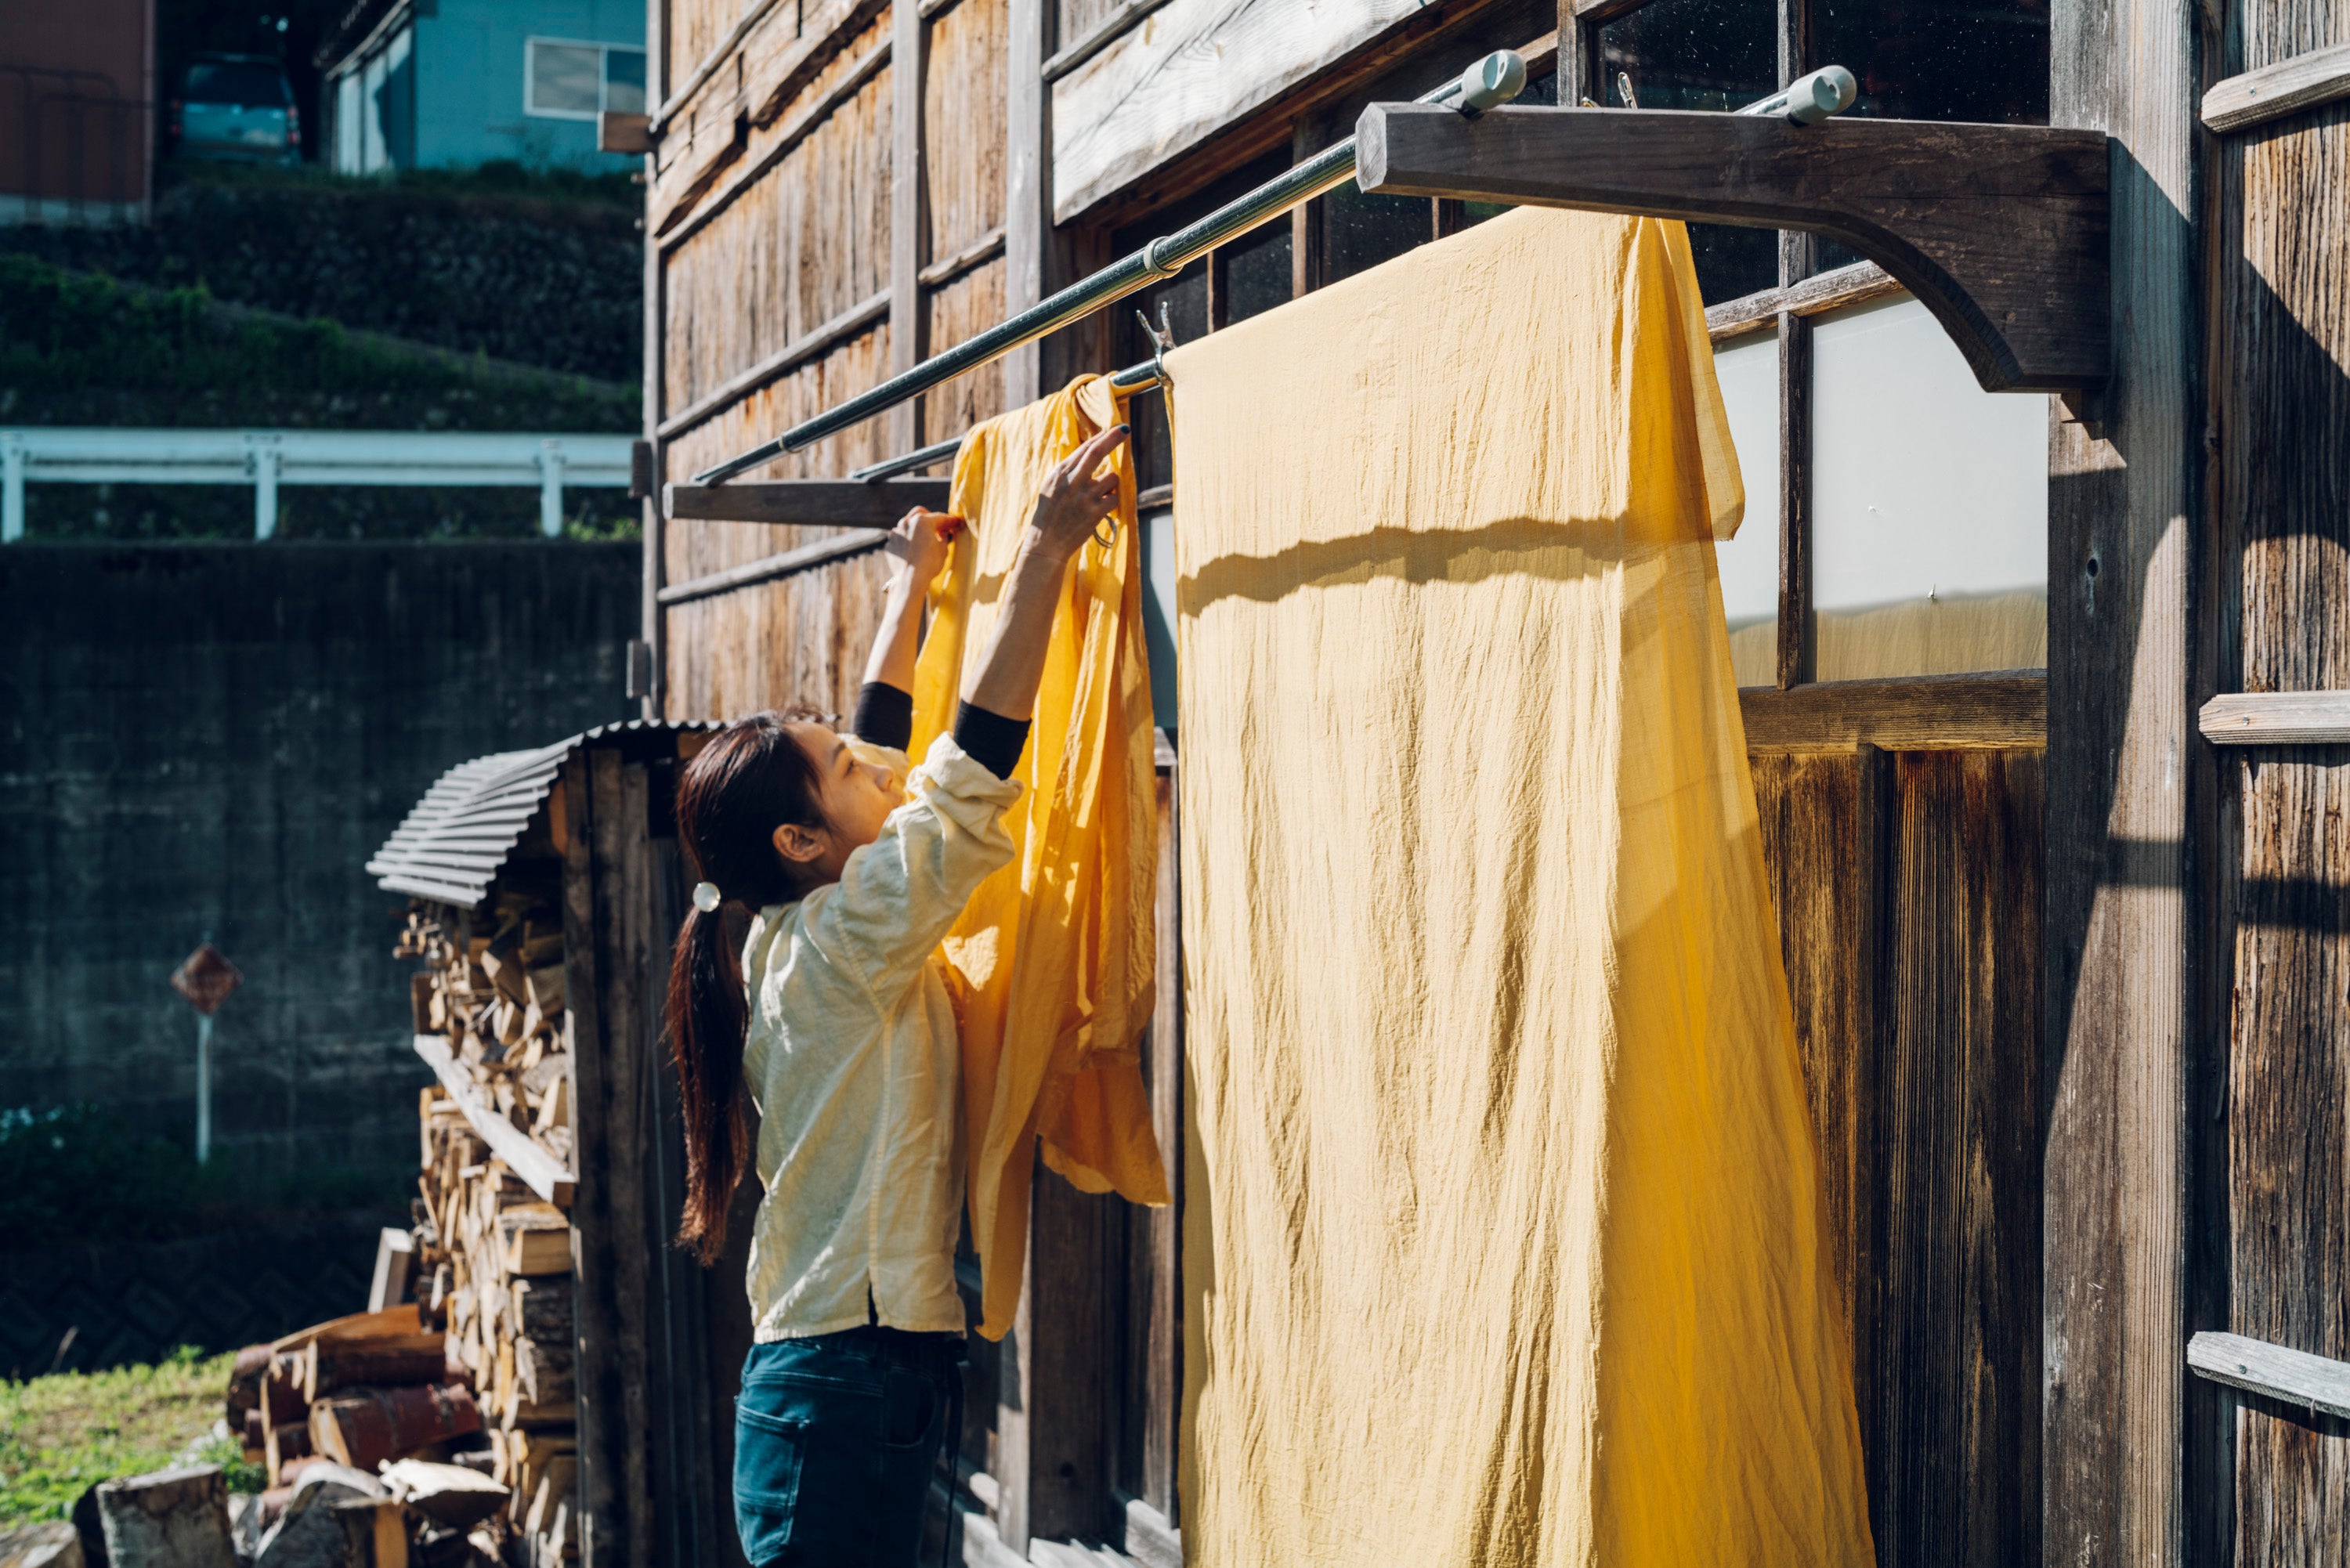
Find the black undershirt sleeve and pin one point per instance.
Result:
(885, 715)
(991, 739)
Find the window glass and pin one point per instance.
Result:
(1935, 59)
(1359, 232)
(565, 79)
(1256, 272)
(1704, 54)
(1748, 369)
(624, 82)
(1929, 505)
(1159, 611)
(1983, 61)
(249, 86)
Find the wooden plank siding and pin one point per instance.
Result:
(2279, 374)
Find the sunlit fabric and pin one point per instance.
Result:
(1055, 953)
(1504, 1225)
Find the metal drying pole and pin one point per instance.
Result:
(1493, 80)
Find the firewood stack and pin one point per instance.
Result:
(498, 999)
(495, 1261)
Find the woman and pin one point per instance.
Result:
(847, 1047)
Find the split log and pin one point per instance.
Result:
(392, 1361)
(375, 1533)
(534, 1239)
(452, 1496)
(308, 1532)
(171, 1518)
(365, 1429)
(543, 1371)
(52, 1544)
(244, 1377)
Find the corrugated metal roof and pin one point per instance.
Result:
(452, 846)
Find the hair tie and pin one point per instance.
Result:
(705, 898)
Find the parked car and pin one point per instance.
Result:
(237, 109)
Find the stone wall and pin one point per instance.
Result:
(209, 741)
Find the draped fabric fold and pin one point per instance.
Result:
(1054, 957)
(1504, 1223)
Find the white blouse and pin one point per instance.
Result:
(853, 1062)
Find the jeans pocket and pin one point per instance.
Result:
(768, 1454)
(909, 1404)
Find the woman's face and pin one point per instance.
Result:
(857, 798)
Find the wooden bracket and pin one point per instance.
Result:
(2000, 230)
(817, 502)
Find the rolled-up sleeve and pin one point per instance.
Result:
(898, 896)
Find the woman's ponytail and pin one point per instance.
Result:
(751, 779)
(706, 1029)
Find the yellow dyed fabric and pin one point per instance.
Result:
(1054, 954)
(1504, 1214)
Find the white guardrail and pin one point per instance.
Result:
(52, 454)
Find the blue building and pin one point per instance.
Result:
(424, 84)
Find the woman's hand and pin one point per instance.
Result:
(917, 545)
(1073, 499)
(1069, 503)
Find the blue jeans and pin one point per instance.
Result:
(835, 1440)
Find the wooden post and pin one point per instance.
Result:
(908, 46)
(2121, 983)
(1795, 639)
(652, 621)
(1305, 226)
(606, 905)
(1027, 186)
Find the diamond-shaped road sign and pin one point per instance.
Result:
(206, 979)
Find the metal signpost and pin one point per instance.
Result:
(206, 978)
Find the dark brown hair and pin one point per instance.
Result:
(749, 780)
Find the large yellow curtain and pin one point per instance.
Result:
(1503, 1224)
(1054, 954)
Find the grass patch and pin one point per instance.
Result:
(61, 1435)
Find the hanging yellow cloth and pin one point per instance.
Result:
(1055, 953)
(1504, 1220)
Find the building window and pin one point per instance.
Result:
(565, 79)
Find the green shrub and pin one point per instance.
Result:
(79, 348)
(79, 1173)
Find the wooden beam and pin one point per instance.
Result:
(768, 568)
(1246, 133)
(545, 1174)
(855, 322)
(970, 258)
(813, 502)
(1999, 229)
(1854, 284)
(2318, 1383)
(2276, 719)
(2255, 97)
(1943, 712)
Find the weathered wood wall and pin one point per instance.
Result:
(1908, 886)
(2280, 368)
(779, 272)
